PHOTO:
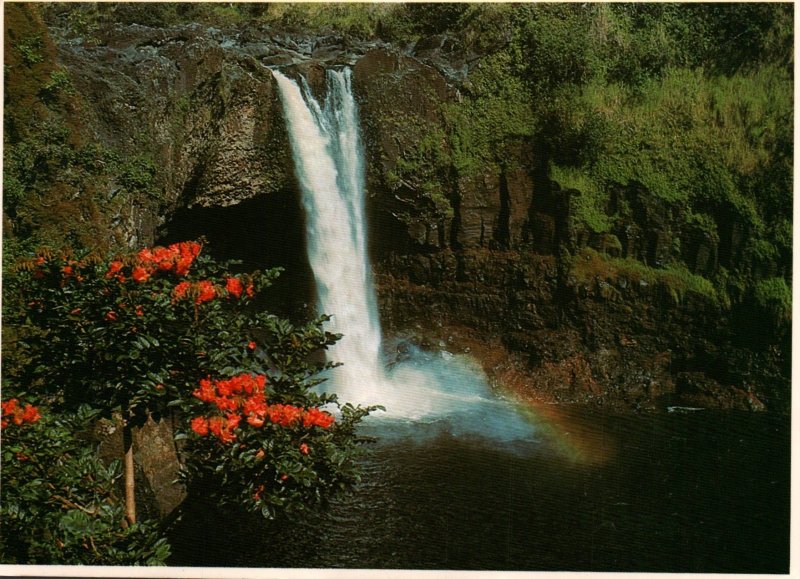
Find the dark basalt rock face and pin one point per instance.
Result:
(485, 257)
(207, 114)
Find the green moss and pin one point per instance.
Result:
(774, 296)
(421, 166)
(31, 48)
(704, 224)
(137, 175)
(762, 250)
(587, 208)
(59, 192)
(782, 234)
(495, 114)
(689, 138)
(589, 266)
(610, 244)
(58, 85)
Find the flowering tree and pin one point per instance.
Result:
(168, 329)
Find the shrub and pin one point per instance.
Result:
(146, 334)
(60, 504)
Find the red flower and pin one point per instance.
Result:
(75, 312)
(187, 249)
(66, 270)
(317, 417)
(145, 255)
(163, 258)
(251, 345)
(215, 425)
(259, 490)
(206, 392)
(9, 406)
(304, 448)
(226, 387)
(233, 420)
(249, 291)
(255, 404)
(111, 316)
(113, 268)
(13, 412)
(180, 290)
(31, 414)
(284, 414)
(234, 286)
(200, 425)
(206, 292)
(140, 274)
(225, 404)
(185, 253)
(227, 435)
(178, 256)
(139, 311)
(182, 267)
(256, 420)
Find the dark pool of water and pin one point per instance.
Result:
(695, 492)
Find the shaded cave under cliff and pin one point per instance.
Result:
(263, 232)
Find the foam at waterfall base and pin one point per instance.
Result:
(434, 392)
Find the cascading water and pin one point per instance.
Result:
(328, 161)
(327, 156)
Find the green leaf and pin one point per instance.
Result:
(75, 522)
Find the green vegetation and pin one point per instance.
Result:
(60, 192)
(589, 267)
(687, 106)
(60, 82)
(50, 513)
(689, 140)
(421, 166)
(31, 49)
(680, 110)
(360, 20)
(494, 114)
(57, 189)
(774, 296)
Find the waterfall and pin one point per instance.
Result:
(328, 161)
(328, 157)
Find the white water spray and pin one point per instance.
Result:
(328, 161)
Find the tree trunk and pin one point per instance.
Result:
(130, 485)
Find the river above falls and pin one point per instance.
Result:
(703, 491)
